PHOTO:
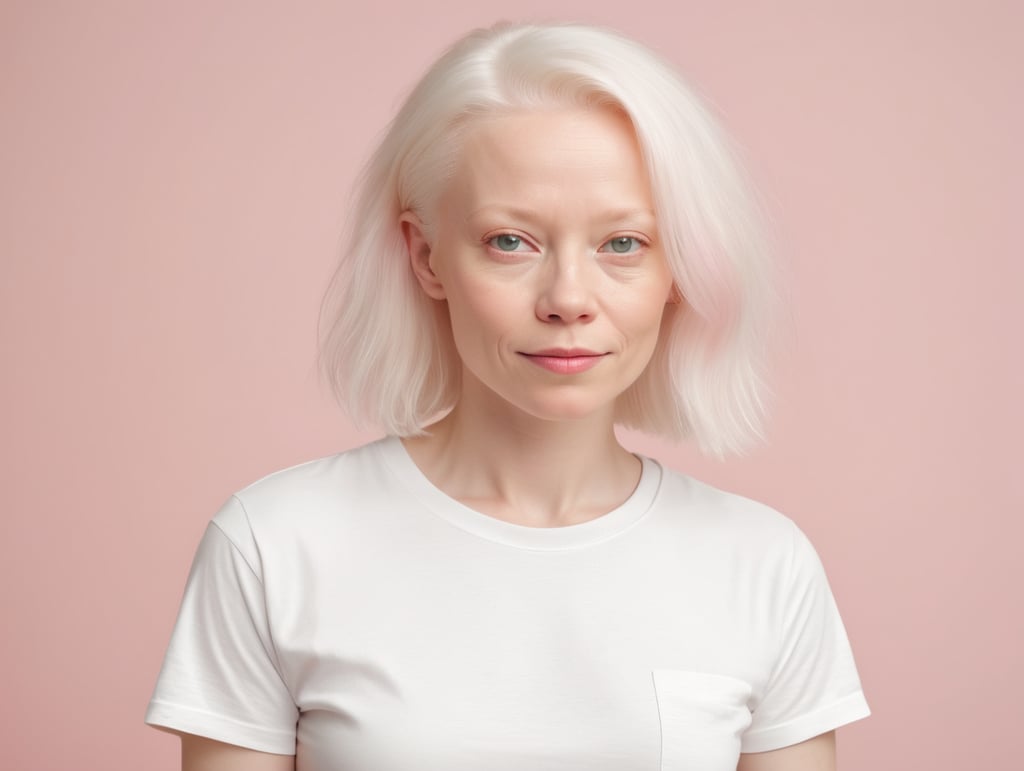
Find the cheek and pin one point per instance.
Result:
(480, 311)
(647, 330)
(639, 313)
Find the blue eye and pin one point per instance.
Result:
(622, 245)
(506, 242)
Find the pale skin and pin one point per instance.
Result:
(544, 245)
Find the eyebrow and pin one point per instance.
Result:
(606, 215)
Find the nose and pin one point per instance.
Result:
(566, 295)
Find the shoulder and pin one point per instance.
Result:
(315, 479)
(740, 545)
(731, 523)
(703, 504)
(307, 494)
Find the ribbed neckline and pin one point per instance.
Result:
(594, 531)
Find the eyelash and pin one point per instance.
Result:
(489, 240)
(641, 245)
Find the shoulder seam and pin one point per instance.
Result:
(230, 540)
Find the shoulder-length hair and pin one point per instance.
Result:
(386, 348)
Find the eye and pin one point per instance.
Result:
(622, 245)
(506, 242)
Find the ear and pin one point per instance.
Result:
(675, 297)
(419, 249)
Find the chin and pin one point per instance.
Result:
(566, 407)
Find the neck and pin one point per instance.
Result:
(523, 469)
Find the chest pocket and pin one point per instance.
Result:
(702, 717)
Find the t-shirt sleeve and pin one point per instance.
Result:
(814, 686)
(221, 677)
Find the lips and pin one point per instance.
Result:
(565, 361)
(567, 353)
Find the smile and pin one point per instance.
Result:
(569, 362)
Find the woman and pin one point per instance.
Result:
(550, 240)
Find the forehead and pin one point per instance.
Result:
(551, 158)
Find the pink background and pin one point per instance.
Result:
(172, 182)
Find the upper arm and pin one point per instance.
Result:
(201, 754)
(222, 676)
(817, 754)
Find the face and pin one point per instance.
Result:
(545, 249)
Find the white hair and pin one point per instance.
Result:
(387, 349)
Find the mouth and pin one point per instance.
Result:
(565, 361)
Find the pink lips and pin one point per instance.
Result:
(565, 361)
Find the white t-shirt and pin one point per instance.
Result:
(348, 611)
